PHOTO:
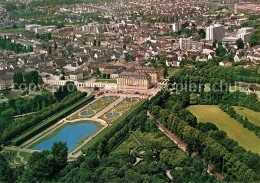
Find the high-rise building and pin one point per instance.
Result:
(245, 33)
(215, 32)
(235, 8)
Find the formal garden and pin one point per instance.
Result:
(120, 109)
(96, 107)
(15, 158)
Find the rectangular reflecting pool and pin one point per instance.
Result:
(72, 133)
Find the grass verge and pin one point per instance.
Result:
(212, 113)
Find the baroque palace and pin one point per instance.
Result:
(140, 78)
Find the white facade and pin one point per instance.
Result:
(185, 43)
(245, 33)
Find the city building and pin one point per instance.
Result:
(139, 78)
(215, 32)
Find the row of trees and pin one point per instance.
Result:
(221, 152)
(24, 105)
(7, 44)
(244, 121)
(45, 37)
(22, 80)
(209, 70)
(15, 127)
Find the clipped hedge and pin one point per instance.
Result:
(52, 120)
(116, 126)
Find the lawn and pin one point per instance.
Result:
(96, 107)
(212, 113)
(12, 30)
(127, 145)
(252, 116)
(107, 80)
(25, 155)
(173, 71)
(121, 108)
(13, 158)
(156, 137)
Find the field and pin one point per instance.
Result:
(234, 129)
(252, 116)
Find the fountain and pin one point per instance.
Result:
(108, 98)
(87, 113)
(132, 99)
(112, 114)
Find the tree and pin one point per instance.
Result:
(202, 33)
(8, 114)
(156, 111)
(240, 44)
(59, 151)
(165, 72)
(41, 165)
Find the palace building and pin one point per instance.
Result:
(140, 78)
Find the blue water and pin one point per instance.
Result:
(71, 134)
(112, 115)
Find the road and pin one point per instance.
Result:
(183, 147)
(135, 138)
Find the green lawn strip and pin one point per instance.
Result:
(139, 138)
(56, 131)
(173, 71)
(12, 30)
(25, 155)
(158, 137)
(29, 134)
(107, 80)
(252, 116)
(121, 118)
(128, 144)
(212, 113)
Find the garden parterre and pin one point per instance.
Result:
(121, 108)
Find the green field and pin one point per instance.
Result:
(252, 116)
(212, 113)
(106, 80)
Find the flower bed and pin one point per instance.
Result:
(121, 109)
(94, 108)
